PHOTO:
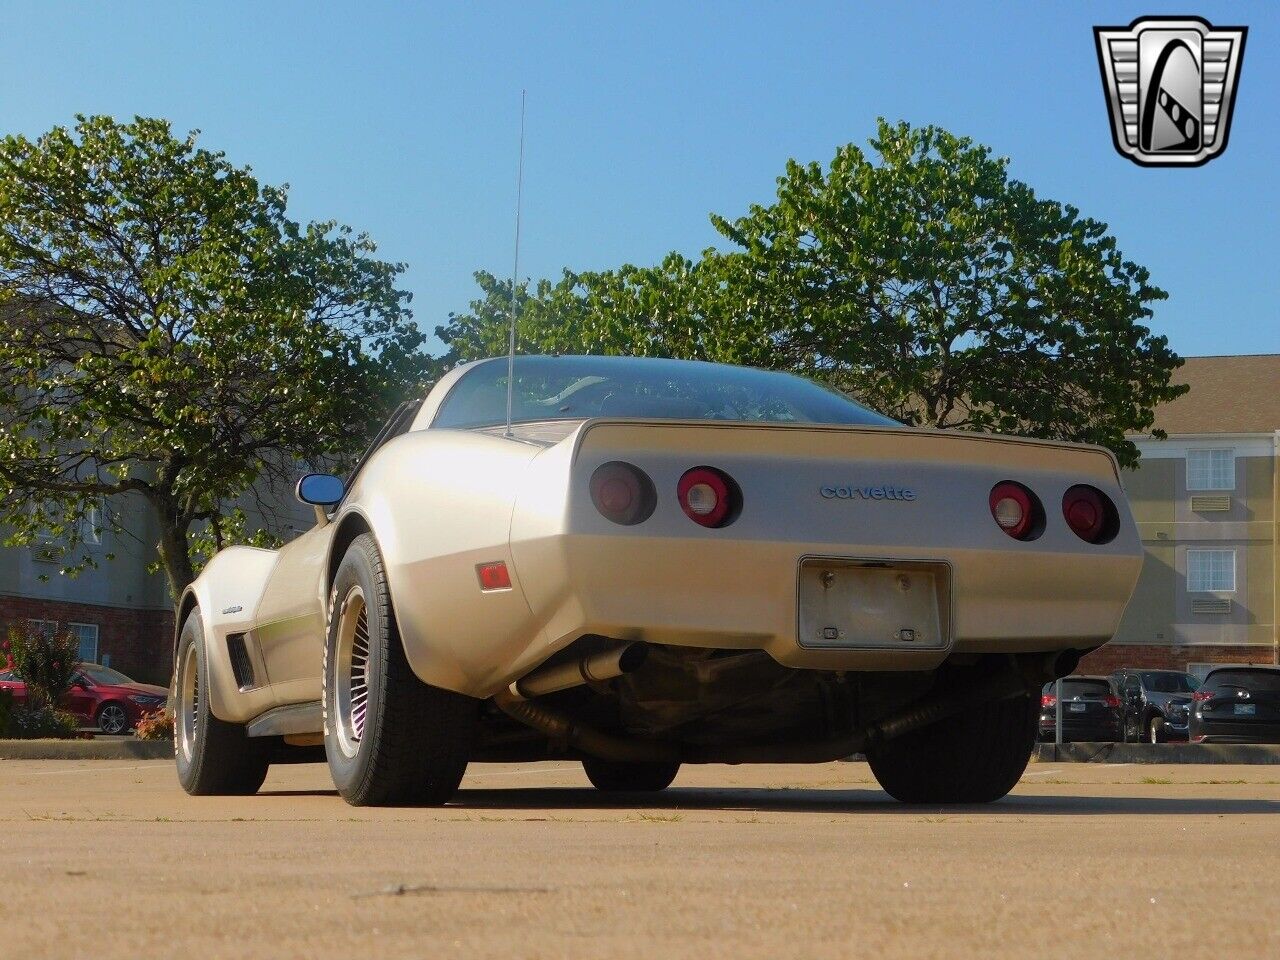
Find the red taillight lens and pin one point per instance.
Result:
(708, 496)
(623, 493)
(1202, 695)
(1113, 701)
(1017, 510)
(1090, 514)
(1048, 700)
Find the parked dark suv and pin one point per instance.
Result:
(1238, 705)
(1154, 704)
(1090, 710)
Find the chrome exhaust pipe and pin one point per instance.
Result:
(592, 668)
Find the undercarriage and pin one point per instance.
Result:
(641, 703)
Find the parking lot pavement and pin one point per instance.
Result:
(743, 862)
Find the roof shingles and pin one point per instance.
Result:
(1236, 394)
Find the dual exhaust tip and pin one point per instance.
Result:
(590, 668)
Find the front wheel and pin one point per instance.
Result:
(609, 776)
(389, 737)
(213, 757)
(975, 757)
(1156, 732)
(112, 719)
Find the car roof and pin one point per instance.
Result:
(1254, 667)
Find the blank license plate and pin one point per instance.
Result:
(1076, 707)
(853, 605)
(1246, 709)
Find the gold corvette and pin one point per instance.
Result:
(657, 562)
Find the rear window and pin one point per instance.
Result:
(577, 388)
(1158, 682)
(1264, 680)
(1089, 689)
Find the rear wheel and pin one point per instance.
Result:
(389, 737)
(213, 757)
(612, 777)
(975, 757)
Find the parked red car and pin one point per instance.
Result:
(99, 696)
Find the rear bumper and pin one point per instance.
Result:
(1082, 732)
(1213, 731)
(707, 590)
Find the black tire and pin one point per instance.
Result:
(610, 776)
(1156, 732)
(217, 759)
(974, 757)
(112, 718)
(414, 739)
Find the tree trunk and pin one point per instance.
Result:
(174, 555)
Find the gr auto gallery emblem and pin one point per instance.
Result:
(1170, 84)
(886, 491)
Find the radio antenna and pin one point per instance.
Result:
(515, 274)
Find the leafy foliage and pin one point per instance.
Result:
(168, 333)
(918, 277)
(156, 725)
(45, 664)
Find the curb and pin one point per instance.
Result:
(1158, 753)
(86, 749)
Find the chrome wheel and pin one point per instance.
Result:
(351, 674)
(112, 719)
(188, 702)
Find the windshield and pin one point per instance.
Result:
(1256, 680)
(1158, 682)
(576, 388)
(103, 675)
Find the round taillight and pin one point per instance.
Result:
(1090, 514)
(1016, 510)
(708, 496)
(623, 493)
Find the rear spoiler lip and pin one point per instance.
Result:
(590, 424)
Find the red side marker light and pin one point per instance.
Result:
(494, 576)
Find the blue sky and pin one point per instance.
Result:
(402, 120)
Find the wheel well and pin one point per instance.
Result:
(350, 527)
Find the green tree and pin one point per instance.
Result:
(920, 278)
(168, 333)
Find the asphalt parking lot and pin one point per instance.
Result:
(104, 859)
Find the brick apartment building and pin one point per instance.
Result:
(121, 614)
(1207, 504)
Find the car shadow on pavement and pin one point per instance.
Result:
(784, 800)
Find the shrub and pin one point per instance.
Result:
(6, 708)
(46, 664)
(40, 722)
(156, 725)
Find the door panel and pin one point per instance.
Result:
(289, 621)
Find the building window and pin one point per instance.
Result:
(91, 524)
(42, 628)
(1211, 571)
(1211, 469)
(86, 635)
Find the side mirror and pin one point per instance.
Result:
(319, 489)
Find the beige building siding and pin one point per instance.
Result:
(1163, 610)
